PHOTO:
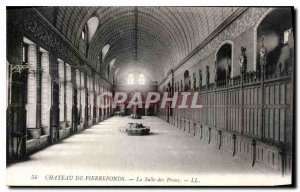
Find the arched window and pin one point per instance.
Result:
(115, 74)
(275, 33)
(110, 66)
(223, 62)
(101, 58)
(141, 80)
(92, 25)
(83, 33)
(105, 51)
(112, 63)
(130, 79)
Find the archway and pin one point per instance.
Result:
(275, 33)
(187, 80)
(224, 62)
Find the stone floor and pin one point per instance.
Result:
(167, 156)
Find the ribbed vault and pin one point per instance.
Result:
(152, 38)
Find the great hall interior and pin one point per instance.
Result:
(239, 60)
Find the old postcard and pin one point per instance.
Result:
(150, 96)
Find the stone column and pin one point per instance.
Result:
(32, 87)
(69, 98)
(45, 93)
(78, 96)
(86, 96)
(95, 102)
(82, 97)
(61, 76)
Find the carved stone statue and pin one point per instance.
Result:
(216, 73)
(243, 61)
(200, 79)
(207, 75)
(181, 86)
(228, 70)
(263, 54)
(194, 80)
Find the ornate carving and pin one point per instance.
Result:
(21, 68)
(18, 68)
(32, 24)
(57, 81)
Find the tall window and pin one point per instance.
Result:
(111, 64)
(83, 34)
(141, 80)
(130, 79)
(105, 51)
(92, 25)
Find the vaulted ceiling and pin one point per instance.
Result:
(151, 38)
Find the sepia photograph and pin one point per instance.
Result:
(150, 96)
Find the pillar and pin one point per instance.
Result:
(69, 98)
(82, 97)
(32, 87)
(61, 76)
(45, 93)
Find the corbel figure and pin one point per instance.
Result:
(243, 61)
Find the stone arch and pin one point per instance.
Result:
(223, 58)
(187, 80)
(274, 31)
